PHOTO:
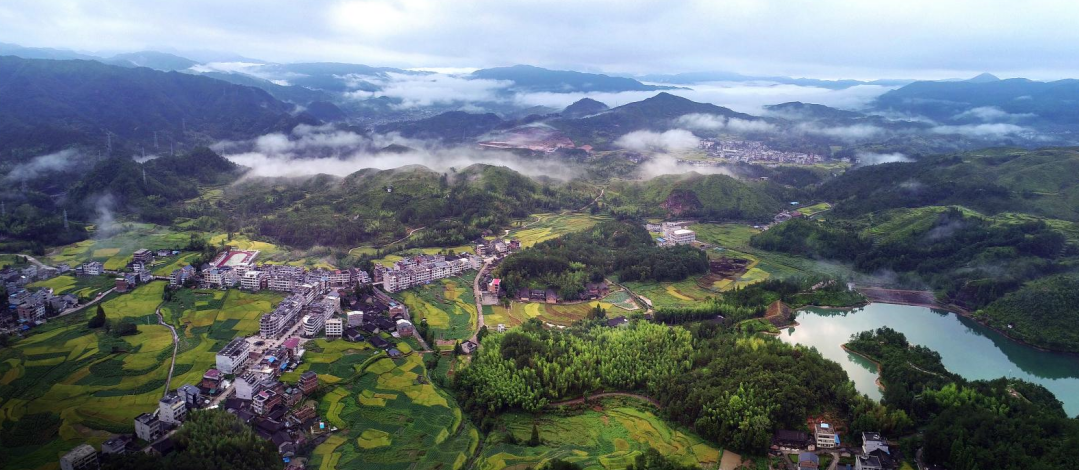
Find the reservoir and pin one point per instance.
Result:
(966, 347)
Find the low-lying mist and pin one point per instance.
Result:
(308, 151)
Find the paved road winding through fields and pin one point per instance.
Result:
(175, 346)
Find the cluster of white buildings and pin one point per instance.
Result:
(673, 233)
(422, 269)
(751, 151)
(280, 278)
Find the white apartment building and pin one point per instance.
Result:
(312, 324)
(233, 356)
(252, 280)
(171, 409)
(335, 328)
(682, 237)
(277, 322)
(826, 437)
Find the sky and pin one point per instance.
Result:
(861, 39)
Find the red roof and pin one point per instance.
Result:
(291, 343)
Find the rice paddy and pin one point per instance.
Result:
(447, 304)
(388, 413)
(547, 226)
(555, 314)
(115, 249)
(92, 384)
(606, 436)
(81, 286)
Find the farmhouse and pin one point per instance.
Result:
(171, 409)
(826, 436)
(148, 427)
(142, 255)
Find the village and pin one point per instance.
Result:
(750, 151)
(339, 304)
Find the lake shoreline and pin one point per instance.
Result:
(866, 357)
(959, 311)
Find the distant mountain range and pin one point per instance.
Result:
(49, 105)
(527, 78)
(691, 78)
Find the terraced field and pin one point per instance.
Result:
(604, 437)
(389, 415)
(86, 384)
(447, 304)
(67, 384)
(81, 286)
(673, 294)
(115, 250)
(555, 314)
(544, 227)
(725, 235)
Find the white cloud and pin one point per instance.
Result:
(850, 133)
(712, 122)
(872, 158)
(647, 141)
(991, 114)
(326, 150)
(44, 164)
(663, 164)
(432, 89)
(982, 130)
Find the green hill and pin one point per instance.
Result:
(1043, 312)
(380, 206)
(1040, 182)
(50, 105)
(712, 197)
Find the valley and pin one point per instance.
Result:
(248, 264)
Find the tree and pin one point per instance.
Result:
(482, 334)
(98, 320)
(534, 440)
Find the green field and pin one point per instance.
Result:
(725, 235)
(81, 286)
(389, 416)
(684, 293)
(115, 250)
(447, 304)
(86, 385)
(544, 227)
(66, 384)
(165, 266)
(555, 314)
(604, 437)
(815, 209)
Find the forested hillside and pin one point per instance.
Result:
(731, 389)
(1040, 182)
(967, 422)
(50, 105)
(621, 249)
(709, 197)
(381, 205)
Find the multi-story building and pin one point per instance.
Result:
(308, 382)
(355, 318)
(148, 427)
(117, 444)
(826, 436)
(190, 394)
(265, 401)
(83, 457)
(682, 237)
(340, 278)
(422, 269)
(252, 280)
(312, 324)
(179, 276)
(287, 313)
(360, 276)
(405, 328)
(220, 277)
(335, 328)
(171, 409)
(233, 356)
(93, 268)
(143, 255)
